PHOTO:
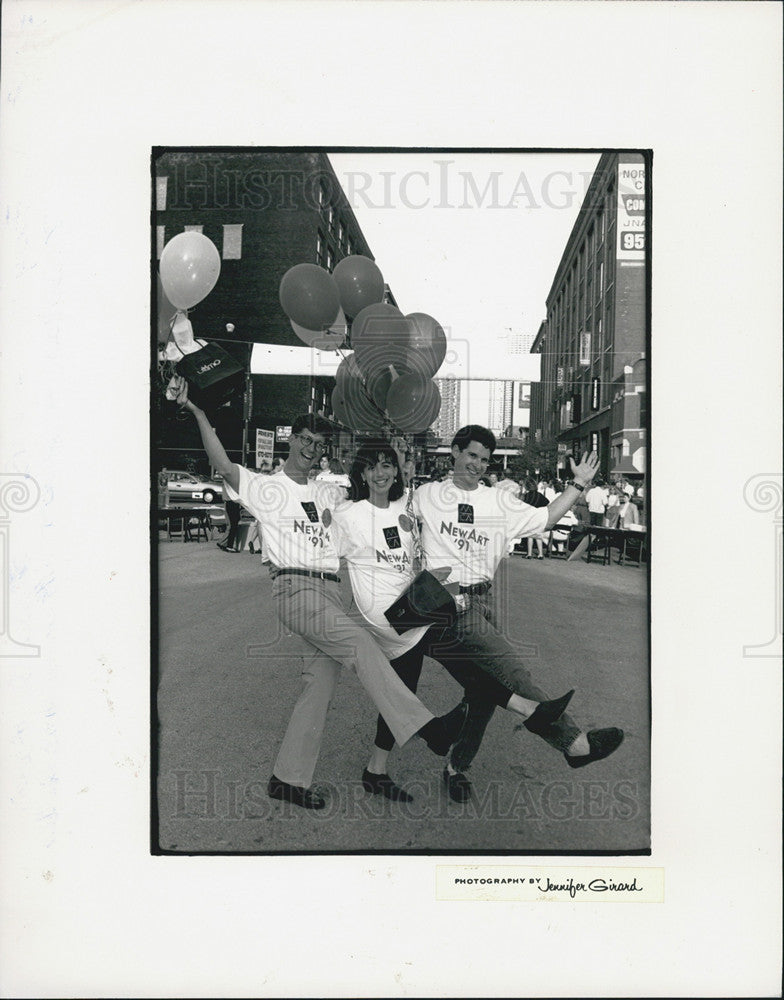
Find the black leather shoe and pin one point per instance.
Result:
(458, 786)
(602, 743)
(547, 712)
(277, 789)
(382, 784)
(440, 733)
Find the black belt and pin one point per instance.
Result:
(477, 588)
(333, 577)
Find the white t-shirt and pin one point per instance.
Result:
(597, 499)
(378, 546)
(290, 516)
(470, 530)
(325, 476)
(508, 484)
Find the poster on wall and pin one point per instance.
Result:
(265, 445)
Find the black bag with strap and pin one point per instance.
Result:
(425, 602)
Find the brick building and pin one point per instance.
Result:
(265, 211)
(592, 393)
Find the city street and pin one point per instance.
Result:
(228, 678)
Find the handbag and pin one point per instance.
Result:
(424, 602)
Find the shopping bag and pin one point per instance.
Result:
(212, 374)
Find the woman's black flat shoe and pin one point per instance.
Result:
(382, 784)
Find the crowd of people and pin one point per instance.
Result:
(384, 531)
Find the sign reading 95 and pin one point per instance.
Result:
(632, 240)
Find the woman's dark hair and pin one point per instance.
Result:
(369, 453)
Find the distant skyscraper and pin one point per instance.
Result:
(448, 420)
(500, 406)
(521, 343)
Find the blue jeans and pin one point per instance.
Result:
(480, 688)
(474, 637)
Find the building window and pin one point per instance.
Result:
(341, 233)
(330, 259)
(160, 239)
(585, 348)
(349, 249)
(596, 393)
(232, 242)
(601, 279)
(601, 227)
(595, 441)
(161, 185)
(320, 248)
(322, 196)
(193, 229)
(331, 216)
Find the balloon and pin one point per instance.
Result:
(362, 414)
(376, 324)
(380, 336)
(355, 405)
(413, 403)
(347, 369)
(324, 340)
(377, 386)
(427, 344)
(190, 265)
(377, 362)
(166, 313)
(360, 283)
(338, 406)
(309, 296)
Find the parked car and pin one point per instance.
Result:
(187, 486)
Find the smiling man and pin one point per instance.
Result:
(469, 526)
(289, 507)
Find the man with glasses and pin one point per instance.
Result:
(305, 588)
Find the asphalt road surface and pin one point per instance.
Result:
(228, 677)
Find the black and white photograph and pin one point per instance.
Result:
(390, 498)
(373, 365)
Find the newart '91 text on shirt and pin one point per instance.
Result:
(290, 515)
(470, 530)
(377, 544)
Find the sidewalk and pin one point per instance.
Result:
(228, 678)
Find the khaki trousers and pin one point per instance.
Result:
(313, 609)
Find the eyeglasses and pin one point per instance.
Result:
(309, 442)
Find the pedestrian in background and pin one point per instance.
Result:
(229, 544)
(597, 499)
(534, 498)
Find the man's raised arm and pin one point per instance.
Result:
(215, 450)
(583, 476)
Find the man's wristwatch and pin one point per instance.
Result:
(577, 486)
